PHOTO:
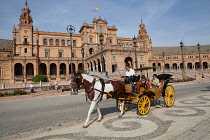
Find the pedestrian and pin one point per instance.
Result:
(32, 89)
(203, 78)
(56, 88)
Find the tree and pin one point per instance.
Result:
(39, 78)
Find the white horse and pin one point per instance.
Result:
(113, 89)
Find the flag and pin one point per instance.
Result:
(95, 10)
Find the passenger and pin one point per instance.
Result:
(155, 81)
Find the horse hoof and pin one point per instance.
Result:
(120, 116)
(98, 120)
(85, 126)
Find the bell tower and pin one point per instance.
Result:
(142, 31)
(24, 35)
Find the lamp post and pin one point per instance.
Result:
(183, 70)
(71, 30)
(134, 42)
(82, 52)
(23, 74)
(163, 63)
(101, 38)
(199, 52)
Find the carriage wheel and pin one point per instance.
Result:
(143, 105)
(169, 96)
(126, 105)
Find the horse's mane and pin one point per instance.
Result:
(89, 78)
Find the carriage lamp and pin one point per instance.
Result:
(134, 42)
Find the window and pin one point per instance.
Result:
(114, 57)
(114, 68)
(51, 41)
(57, 42)
(25, 41)
(74, 43)
(73, 54)
(44, 41)
(91, 40)
(63, 42)
(68, 42)
(25, 50)
(110, 40)
(60, 53)
(47, 52)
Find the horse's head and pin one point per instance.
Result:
(77, 80)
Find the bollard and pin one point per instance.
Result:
(3, 86)
(40, 83)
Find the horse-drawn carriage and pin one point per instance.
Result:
(131, 91)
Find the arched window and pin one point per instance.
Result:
(68, 42)
(57, 42)
(63, 43)
(44, 41)
(110, 40)
(91, 51)
(74, 43)
(51, 41)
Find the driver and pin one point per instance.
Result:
(129, 71)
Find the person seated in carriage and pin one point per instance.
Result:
(155, 81)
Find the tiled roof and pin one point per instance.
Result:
(6, 44)
(177, 50)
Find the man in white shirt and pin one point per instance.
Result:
(129, 71)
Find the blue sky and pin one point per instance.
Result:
(167, 21)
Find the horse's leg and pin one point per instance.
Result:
(121, 109)
(93, 104)
(99, 113)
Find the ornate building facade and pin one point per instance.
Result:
(33, 52)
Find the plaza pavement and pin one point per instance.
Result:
(188, 119)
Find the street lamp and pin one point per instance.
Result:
(23, 74)
(71, 30)
(101, 38)
(163, 62)
(134, 42)
(199, 52)
(82, 52)
(183, 71)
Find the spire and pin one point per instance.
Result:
(14, 27)
(26, 3)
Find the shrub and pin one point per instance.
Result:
(39, 78)
(66, 89)
(20, 92)
(52, 86)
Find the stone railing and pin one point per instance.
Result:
(36, 84)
